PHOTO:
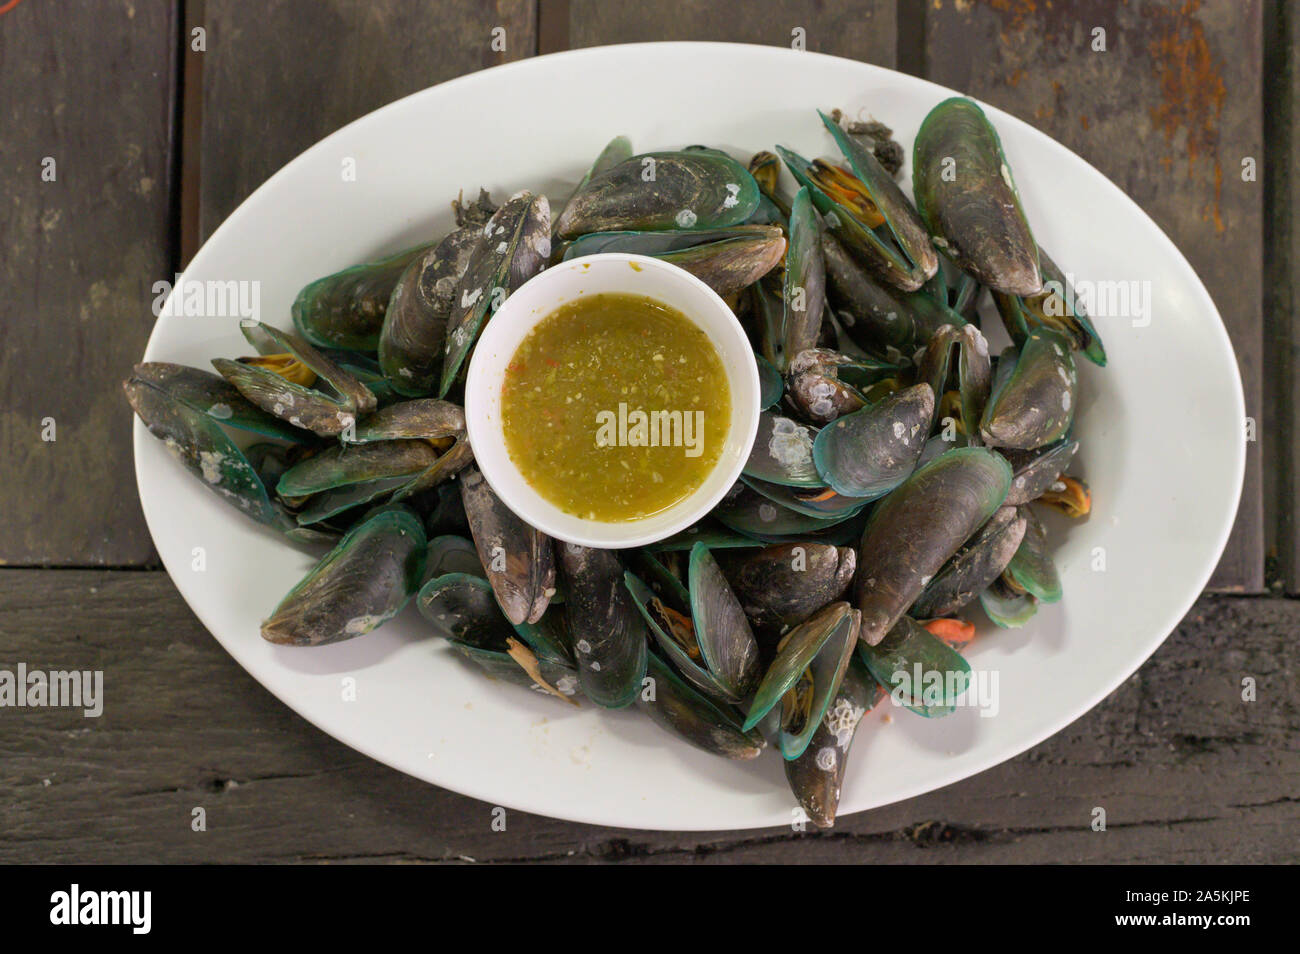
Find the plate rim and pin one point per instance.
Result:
(903, 792)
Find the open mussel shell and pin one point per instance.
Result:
(867, 213)
(1032, 568)
(662, 242)
(512, 247)
(1033, 472)
(366, 579)
(423, 419)
(520, 561)
(917, 528)
(328, 507)
(346, 309)
(727, 645)
(702, 189)
(1056, 307)
(803, 288)
(162, 397)
(963, 187)
(972, 568)
(1033, 398)
(973, 367)
(1006, 606)
(677, 707)
(827, 635)
(295, 382)
(918, 669)
(609, 635)
(919, 261)
(803, 707)
(674, 632)
(782, 584)
(868, 453)
(817, 775)
(415, 323)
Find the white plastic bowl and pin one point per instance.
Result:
(610, 272)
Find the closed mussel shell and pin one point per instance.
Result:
(978, 563)
(782, 584)
(366, 579)
(196, 439)
(609, 635)
(346, 309)
(917, 528)
(964, 190)
(868, 453)
(415, 322)
(662, 190)
(519, 560)
(1033, 398)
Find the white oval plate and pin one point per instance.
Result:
(1160, 430)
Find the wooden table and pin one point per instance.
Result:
(131, 128)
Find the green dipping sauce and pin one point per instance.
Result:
(615, 407)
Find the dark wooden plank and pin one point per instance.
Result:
(1185, 769)
(88, 88)
(190, 133)
(282, 76)
(859, 29)
(1167, 112)
(1281, 425)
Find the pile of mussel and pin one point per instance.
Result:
(891, 486)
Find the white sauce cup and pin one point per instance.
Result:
(607, 273)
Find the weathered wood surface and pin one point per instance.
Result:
(279, 79)
(857, 29)
(1168, 111)
(85, 158)
(1186, 770)
(1281, 423)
